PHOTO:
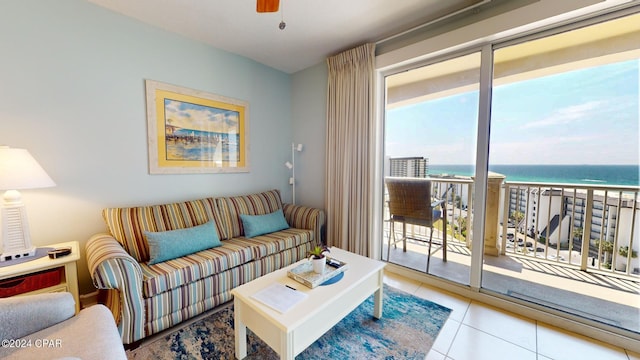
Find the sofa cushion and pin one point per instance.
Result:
(255, 225)
(167, 245)
(170, 274)
(255, 204)
(158, 278)
(272, 243)
(172, 307)
(128, 225)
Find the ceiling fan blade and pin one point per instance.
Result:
(263, 6)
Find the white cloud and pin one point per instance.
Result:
(546, 150)
(566, 115)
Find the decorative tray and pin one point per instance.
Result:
(304, 273)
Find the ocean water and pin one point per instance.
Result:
(565, 174)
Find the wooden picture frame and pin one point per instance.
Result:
(191, 131)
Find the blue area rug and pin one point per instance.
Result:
(407, 330)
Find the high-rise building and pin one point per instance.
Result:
(409, 167)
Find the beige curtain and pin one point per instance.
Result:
(350, 141)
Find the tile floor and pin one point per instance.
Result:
(476, 331)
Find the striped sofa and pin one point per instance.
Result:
(146, 299)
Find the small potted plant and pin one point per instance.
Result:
(316, 255)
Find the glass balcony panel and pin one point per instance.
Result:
(573, 251)
(430, 131)
(568, 243)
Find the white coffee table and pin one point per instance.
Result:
(291, 332)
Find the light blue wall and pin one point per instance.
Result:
(72, 93)
(309, 108)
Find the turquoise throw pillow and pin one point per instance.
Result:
(167, 245)
(255, 225)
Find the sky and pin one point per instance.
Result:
(587, 116)
(198, 117)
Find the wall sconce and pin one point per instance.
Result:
(291, 165)
(18, 170)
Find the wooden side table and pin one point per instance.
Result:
(69, 278)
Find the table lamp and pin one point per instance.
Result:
(18, 170)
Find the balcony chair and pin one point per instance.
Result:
(410, 202)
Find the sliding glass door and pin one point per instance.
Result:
(430, 132)
(550, 149)
(564, 155)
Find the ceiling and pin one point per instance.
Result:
(315, 29)
(599, 44)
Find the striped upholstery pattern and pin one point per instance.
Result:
(171, 274)
(170, 308)
(146, 299)
(113, 268)
(127, 225)
(273, 243)
(303, 217)
(255, 204)
(111, 299)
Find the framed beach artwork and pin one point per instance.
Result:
(191, 131)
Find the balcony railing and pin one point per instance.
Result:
(590, 227)
(534, 238)
(551, 222)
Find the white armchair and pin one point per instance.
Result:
(43, 326)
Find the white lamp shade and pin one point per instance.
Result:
(19, 170)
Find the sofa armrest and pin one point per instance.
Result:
(111, 267)
(304, 217)
(24, 315)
